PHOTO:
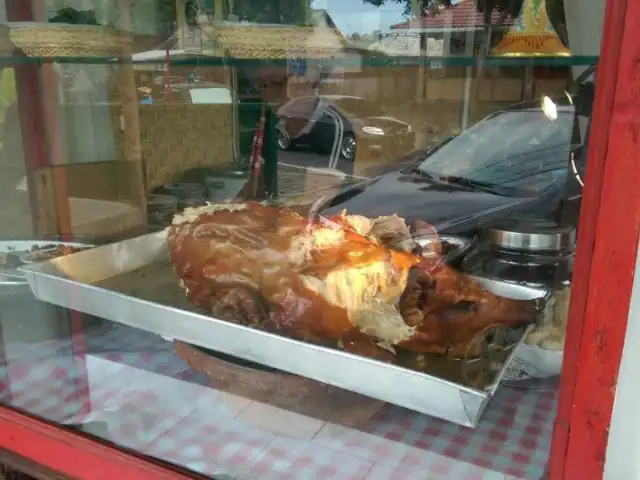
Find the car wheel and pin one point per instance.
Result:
(284, 140)
(348, 148)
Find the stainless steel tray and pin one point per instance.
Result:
(72, 282)
(11, 280)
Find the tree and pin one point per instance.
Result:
(431, 7)
(507, 8)
(288, 12)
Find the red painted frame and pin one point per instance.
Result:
(606, 256)
(604, 271)
(75, 455)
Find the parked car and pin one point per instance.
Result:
(524, 161)
(311, 120)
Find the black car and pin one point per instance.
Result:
(312, 120)
(525, 161)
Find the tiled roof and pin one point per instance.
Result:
(462, 15)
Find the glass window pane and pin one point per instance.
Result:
(294, 239)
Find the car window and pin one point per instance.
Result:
(357, 107)
(523, 150)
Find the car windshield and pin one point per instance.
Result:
(522, 152)
(356, 107)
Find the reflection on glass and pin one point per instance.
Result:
(384, 108)
(549, 108)
(532, 34)
(520, 149)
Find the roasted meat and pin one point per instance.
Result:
(274, 269)
(346, 281)
(450, 309)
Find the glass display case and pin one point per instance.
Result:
(347, 240)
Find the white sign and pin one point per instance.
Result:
(435, 47)
(215, 96)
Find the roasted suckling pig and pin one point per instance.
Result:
(346, 281)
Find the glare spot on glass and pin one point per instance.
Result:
(575, 170)
(569, 97)
(549, 108)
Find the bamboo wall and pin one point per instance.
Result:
(178, 137)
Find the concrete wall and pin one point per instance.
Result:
(584, 26)
(623, 459)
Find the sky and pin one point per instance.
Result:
(355, 16)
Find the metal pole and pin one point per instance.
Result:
(468, 78)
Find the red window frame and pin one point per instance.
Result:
(76, 455)
(606, 256)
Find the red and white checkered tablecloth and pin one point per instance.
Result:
(148, 399)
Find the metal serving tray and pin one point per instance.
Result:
(11, 280)
(73, 282)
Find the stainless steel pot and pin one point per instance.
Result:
(532, 236)
(524, 251)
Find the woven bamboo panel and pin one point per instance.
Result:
(179, 137)
(51, 40)
(276, 42)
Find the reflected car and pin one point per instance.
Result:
(526, 161)
(311, 120)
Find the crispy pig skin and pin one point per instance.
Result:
(455, 308)
(249, 252)
(247, 266)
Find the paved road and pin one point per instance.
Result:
(305, 175)
(307, 159)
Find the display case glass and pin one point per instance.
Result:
(315, 239)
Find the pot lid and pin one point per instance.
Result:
(530, 235)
